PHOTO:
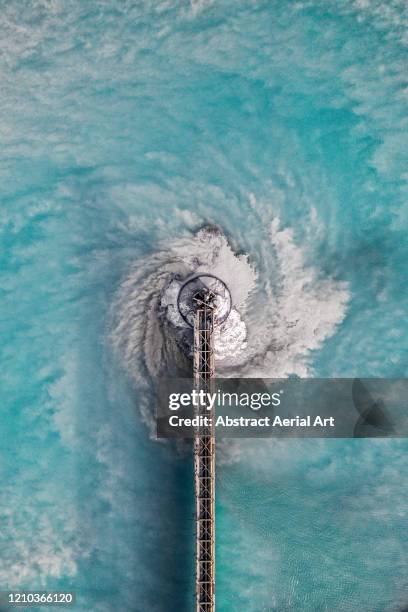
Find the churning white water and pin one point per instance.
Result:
(272, 327)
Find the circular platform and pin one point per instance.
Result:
(195, 285)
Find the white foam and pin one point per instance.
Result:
(146, 304)
(276, 321)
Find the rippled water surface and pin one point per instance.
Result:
(125, 127)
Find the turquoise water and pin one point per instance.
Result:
(124, 127)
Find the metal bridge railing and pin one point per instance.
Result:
(204, 462)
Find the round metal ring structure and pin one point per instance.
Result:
(192, 286)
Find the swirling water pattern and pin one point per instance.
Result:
(126, 126)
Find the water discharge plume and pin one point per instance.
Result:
(270, 331)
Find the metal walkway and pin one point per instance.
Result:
(204, 456)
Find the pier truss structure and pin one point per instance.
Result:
(204, 302)
(204, 455)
